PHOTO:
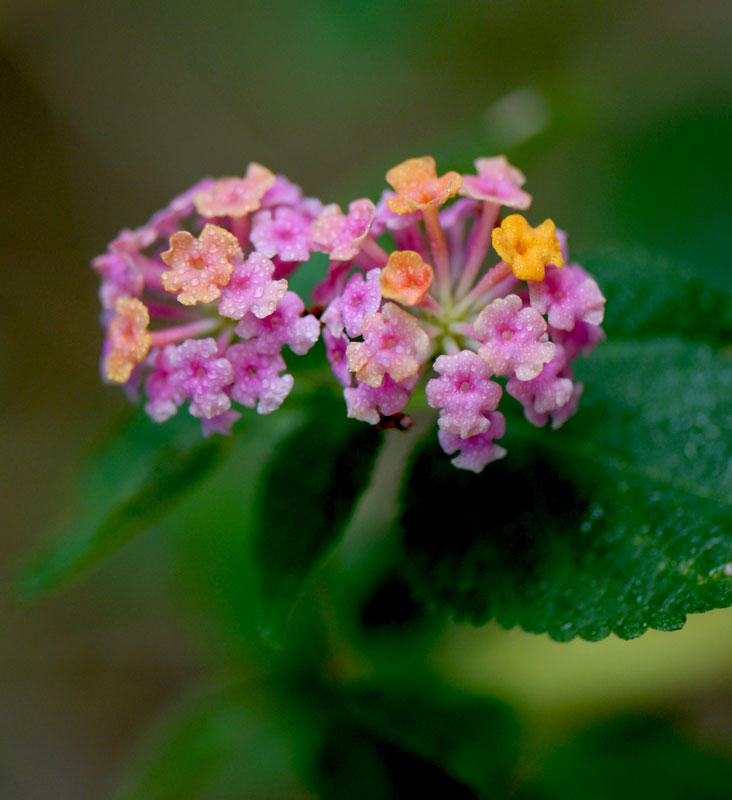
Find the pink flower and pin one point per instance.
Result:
(161, 386)
(464, 392)
(202, 375)
(394, 344)
(341, 234)
(583, 338)
(282, 192)
(476, 451)
(221, 424)
(335, 351)
(120, 277)
(567, 295)
(252, 289)
(360, 298)
(370, 403)
(284, 233)
(548, 391)
(514, 338)
(497, 182)
(257, 379)
(285, 325)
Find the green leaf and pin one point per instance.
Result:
(386, 742)
(651, 296)
(621, 520)
(634, 758)
(136, 477)
(473, 740)
(307, 498)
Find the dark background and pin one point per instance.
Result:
(619, 113)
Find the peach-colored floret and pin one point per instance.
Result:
(406, 277)
(127, 337)
(417, 186)
(236, 197)
(394, 344)
(200, 267)
(528, 251)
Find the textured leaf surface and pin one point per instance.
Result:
(650, 296)
(620, 521)
(307, 497)
(132, 481)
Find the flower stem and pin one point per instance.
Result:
(478, 247)
(180, 332)
(438, 246)
(492, 278)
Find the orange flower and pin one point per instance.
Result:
(128, 338)
(199, 267)
(406, 278)
(235, 197)
(417, 186)
(527, 250)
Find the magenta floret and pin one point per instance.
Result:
(202, 375)
(252, 289)
(464, 393)
(285, 326)
(370, 403)
(476, 451)
(566, 296)
(514, 338)
(549, 391)
(284, 232)
(257, 379)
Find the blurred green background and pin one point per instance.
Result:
(620, 115)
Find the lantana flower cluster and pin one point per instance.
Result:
(430, 286)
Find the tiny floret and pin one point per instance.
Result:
(252, 289)
(417, 186)
(127, 338)
(497, 182)
(567, 296)
(406, 277)
(257, 378)
(341, 234)
(370, 404)
(361, 297)
(235, 197)
(528, 251)
(479, 450)
(200, 267)
(515, 341)
(464, 393)
(202, 375)
(394, 344)
(284, 232)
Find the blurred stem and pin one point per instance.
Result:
(343, 663)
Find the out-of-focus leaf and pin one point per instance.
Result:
(133, 480)
(307, 497)
(651, 296)
(223, 745)
(634, 758)
(618, 522)
(403, 743)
